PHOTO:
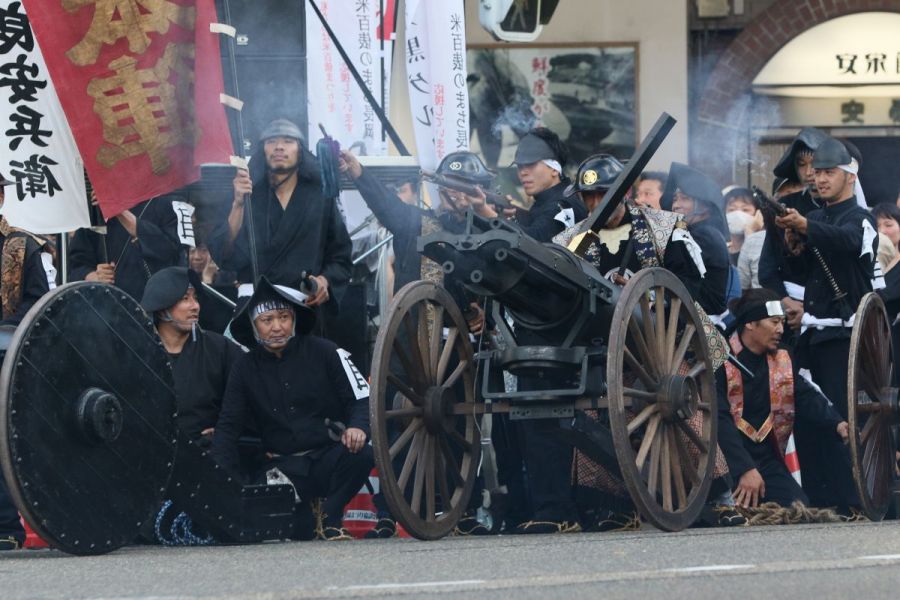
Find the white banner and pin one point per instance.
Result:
(436, 72)
(335, 99)
(37, 149)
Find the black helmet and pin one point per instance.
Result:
(597, 172)
(167, 286)
(466, 167)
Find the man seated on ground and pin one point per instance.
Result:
(756, 415)
(201, 360)
(309, 403)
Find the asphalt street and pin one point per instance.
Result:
(798, 561)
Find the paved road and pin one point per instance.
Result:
(800, 561)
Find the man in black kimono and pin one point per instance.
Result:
(201, 360)
(845, 238)
(309, 403)
(297, 230)
(138, 242)
(757, 414)
(795, 166)
(698, 198)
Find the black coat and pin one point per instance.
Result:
(157, 247)
(714, 284)
(742, 453)
(773, 268)
(201, 374)
(288, 399)
(540, 221)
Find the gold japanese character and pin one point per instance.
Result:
(143, 112)
(132, 19)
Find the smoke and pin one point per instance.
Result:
(517, 115)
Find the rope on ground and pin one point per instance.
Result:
(180, 531)
(772, 513)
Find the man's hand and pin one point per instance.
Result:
(105, 273)
(322, 294)
(476, 321)
(354, 439)
(843, 430)
(792, 220)
(750, 489)
(793, 311)
(348, 163)
(242, 186)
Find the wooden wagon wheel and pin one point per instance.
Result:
(872, 407)
(425, 437)
(662, 402)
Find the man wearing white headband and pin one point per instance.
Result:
(845, 237)
(757, 414)
(309, 403)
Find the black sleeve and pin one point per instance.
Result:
(770, 259)
(678, 260)
(231, 420)
(337, 264)
(730, 439)
(544, 226)
(845, 238)
(83, 257)
(392, 212)
(356, 411)
(157, 233)
(812, 407)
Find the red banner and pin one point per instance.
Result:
(140, 83)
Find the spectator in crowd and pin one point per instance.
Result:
(738, 224)
(697, 197)
(308, 401)
(845, 238)
(297, 230)
(795, 166)
(887, 216)
(755, 419)
(649, 189)
(201, 360)
(23, 281)
(740, 199)
(138, 242)
(408, 190)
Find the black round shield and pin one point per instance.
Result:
(87, 427)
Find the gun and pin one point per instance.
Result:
(469, 190)
(763, 201)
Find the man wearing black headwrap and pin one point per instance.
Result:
(308, 401)
(297, 230)
(201, 360)
(698, 198)
(757, 414)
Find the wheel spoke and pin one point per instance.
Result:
(443, 487)
(400, 413)
(407, 391)
(419, 481)
(640, 394)
(412, 337)
(452, 465)
(405, 437)
(647, 323)
(641, 347)
(639, 370)
(867, 429)
(687, 461)
(647, 442)
(666, 470)
(660, 317)
(456, 374)
(692, 435)
(641, 418)
(674, 313)
(430, 466)
(653, 480)
(683, 345)
(677, 475)
(436, 334)
(459, 439)
(696, 370)
(406, 363)
(446, 353)
(424, 339)
(410, 461)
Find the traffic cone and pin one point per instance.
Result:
(791, 460)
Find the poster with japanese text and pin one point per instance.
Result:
(38, 152)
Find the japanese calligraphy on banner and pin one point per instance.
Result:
(335, 99)
(37, 150)
(140, 81)
(436, 71)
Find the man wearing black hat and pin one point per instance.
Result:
(698, 198)
(840, 244)
(201, 360)
(308, 401)
(795, 166)
(297, 230)
(756, 415)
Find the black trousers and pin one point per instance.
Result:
(781, 487)
(828, 366)
(334, 474)
(10, 526)
(548, 471)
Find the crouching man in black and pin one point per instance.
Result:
(309, 403)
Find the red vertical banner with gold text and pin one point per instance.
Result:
(140, 83)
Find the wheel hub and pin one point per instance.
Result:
(99, 416)
(438, 401)
(675, 396)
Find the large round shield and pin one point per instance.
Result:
(87, 428)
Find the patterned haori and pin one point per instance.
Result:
(781, 398)
(12, 270)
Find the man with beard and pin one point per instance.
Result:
(308, 401)
(297, 230)
(201, 360)
(795, 166)
(839, 246)
(756, 415)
